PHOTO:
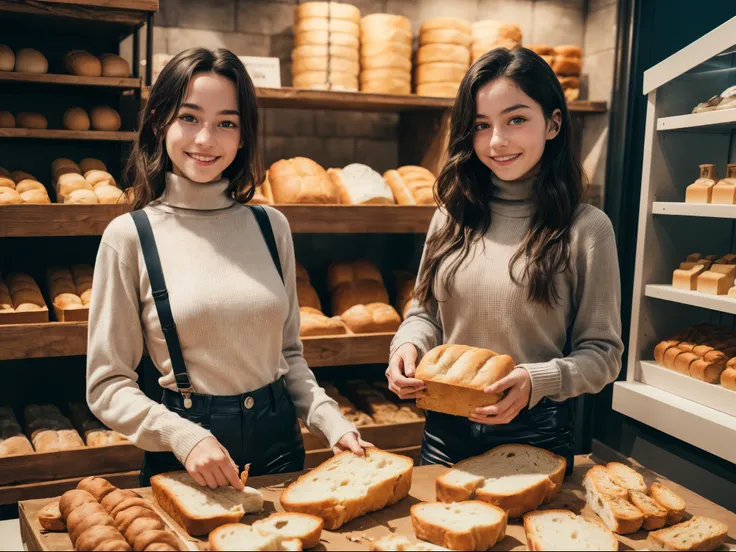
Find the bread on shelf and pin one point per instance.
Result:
(360, 185)
(94, 433)
(31, 120)
(23, 292)
(717, 280)
(76, 118)
(411, 185)
(437, 75)
(385, 54)
(49, 429)
(105, 118)
(314, 323)
(563, 530)
(347, 408)
(405, 283)
(701, 191)
(697, 533)
(7, 119)
(728, 376)
(263, 194)
(88, 164)
(12, 439)
(114, 66)
(470, 525)
(301, 180)
(82, 63)
(490, 33)
(382, 410)
(7, 58)
(29, 60)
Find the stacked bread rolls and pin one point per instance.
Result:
(70, 288)
(84, 64)
(49, 429)
(411, 185)
(385, 54)
(568, 65)
(360, 185)
(326, 46)
(491, 33)
(440, 68)
(95, 185)
(301, 180)
(12, 439)
(21, 187)
(546, 52)
(20, 293)
(313, 321)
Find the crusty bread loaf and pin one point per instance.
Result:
(49, 429)
(563, 530)
(28, 60)
(411, 187)
(697, 533)
(109, 195)
(371, 318)
(314, 323)
(341, 272)
(563, 65)
(347, 486)
(686, 277)
(114, 66)
(263, 194)
(301, 180)
(105, 118)
(88, 523)
(8, 196)
(82, 63)
(399, 543)
(609, 501)
(359, 185)
(94, 433)
(238, 536)
(625, 477)
(471, 525)
(456, 377)
(360, 292)
(198, 510)
(405, 283)
(655, 516)
(307, 296)
(89, 164)
(701, 352)
(31, 120)
(82, 197)
(516, 478)
(728, 377)
(28, 185)
(98, 177)
(7, 58)
(35, 196)
(12, 439)
(7, 119)
(76, 118)
(670, 501)
(304, 527)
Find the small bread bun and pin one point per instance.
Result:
(28, 60)
(114, 66)
(90, 164)
(29, 184)
(7, 182)
(84, 64)
(35, 196)
(9, 196)
(21, 175)
(31, 120)
(76, 118)
(7, 120)
(64, 300)
(105, 118)
(63, 170)
(71, 182)
(99, 178)
(81, 196)
(7, 58)
(109, 195)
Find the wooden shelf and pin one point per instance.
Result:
(707, 210)
(60, 339)
(721, 303)
(721, 121)
(91, 220)
(47, 78)
(58, 134)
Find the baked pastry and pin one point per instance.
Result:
(89, 164)
(359, 184)
(405, 284)
(610, 502)
(49, 429)
(728, 376)
(109, 195)
(673, 503)
(360, 292)
(82, 197)
(68, 182)
(76, 118)
(24, 293)
(114, 66)
(314, 323)
(8, 196)
(98, 177)
(12, 439)
(371, 318)
(105, 118)
(7, 120)
(307, 296)
(411, 185)
(301, 180)
(701, 190)
(49, 517)
(470, 525)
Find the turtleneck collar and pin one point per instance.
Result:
(512, 198)
(183, 193)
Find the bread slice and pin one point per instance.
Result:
(347, 486)
(516, 478)
(697, 533)
(305, 527)
(624, 476)
(671, 502)
(620, 515)
(604, 484)
(238, 536)
(470, 525)
(198, 510)
(655, 517)
(563, 530)
(399, 543)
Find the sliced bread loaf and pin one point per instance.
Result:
(238, 536)
(626, 477)
(655, 516)
(198, 510)
(619, 515)
(517, 478)
(670, 501)
(347, 486)
(470, 525)
(305, 527)
(697, 533)
(399, 543)
(563, 530)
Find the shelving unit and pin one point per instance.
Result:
(72, 80)
(676, 142)
(61, 134)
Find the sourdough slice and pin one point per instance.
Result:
(516, 478)
(697, 533)
(655, 517)
(399, 543)
(238, 536)
(563, 530)
(620, 515)
(347, 486)
(625, 477)
(305, 527)
(198, 510)
(671, 502)
(470, 525)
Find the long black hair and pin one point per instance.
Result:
(464, 184)
(149, 161)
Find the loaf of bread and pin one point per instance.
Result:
(701, 191)
(263, 194)
(238, 536)
(7, 120)
(12, 439)
(105, 118)
(28, 60)
(323, 38)
(408, 410)
(456, 377)
(8, 196)
(625, 477)
(90, 526)
(411, 185)
(371, 318)
(314, 323)
(301, 180)
(114, 66)
(49, 429)
(76, 118)
(19, 176)
(89, 164)
(697, 533)
(31, 120)
(655, 516)
(339, 273)
(69, 182)
(385, 54)
(686, 277)
(347, 408)
(359, 185)
(610, 502)
(334, 10)
(82, 63)
(445, 36)
(374, 402)
(563, 530)
(24, 293)
(717, 280)
(95, 434)
(49, 517)
(360, 292)
(7, 58)
(470, 525)
(724, 192)
(82, 197)
(728, 377)
(348, 486)
(109, 195)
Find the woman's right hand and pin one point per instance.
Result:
(211, 465)
(400, 372)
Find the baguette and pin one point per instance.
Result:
(471, 525)
(670, 501)
(563, 530)
(697, 533)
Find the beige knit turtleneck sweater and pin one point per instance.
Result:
(237, 322)
(484, 308)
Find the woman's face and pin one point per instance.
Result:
(511, 130)
(204, 138)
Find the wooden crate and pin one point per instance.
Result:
(71, 315)
(28, 317)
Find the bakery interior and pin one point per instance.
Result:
(647, 84)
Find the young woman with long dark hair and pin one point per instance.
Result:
(209, 286)
(513, 262)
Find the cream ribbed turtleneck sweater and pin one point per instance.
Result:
(484, 308)
(237, 322)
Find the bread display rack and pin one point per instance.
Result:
(677, 142)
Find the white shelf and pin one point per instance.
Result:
(698, 425)
(708, 394)
(680, 208)
(723, 120)
(721, 303)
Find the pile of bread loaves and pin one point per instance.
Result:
(101, 117)
(75, 62)
(567, 63)
(491, 33)
(20, 293)
(70, 288)
(710, 274)
(88, 182)
(443, 56)
(385, 54)
(20, 187)
(709, 189)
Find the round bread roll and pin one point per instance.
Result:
(386, 20)
(445, 36)
(568, 51)
(29, 184)
(323, 24)
(28, 60)
(320, 80)
(71, 182)
(114, 66)
(31, 120)
(105, 118)
(438, 89)
(313, 51)
(27, 306)
(63, 162)
(321, 64)
(81, 196)
(333, 10)
(6, 182)
(443, 52)
(568, 66)
(389, 86)
(83, 64)
(323, 37)
(7, 58)
(444, 23)
(108, 195)
(91, 164)
(372, 49)
(99, 178)
(386, 62)
(8, 196)
(76, 118)
(440, 72)
(63, 170)
(18, 176)
(7, 120)
(385, 34)
(63, 300)
(35, 196)
(389, 74)
(493, 30)
(541, 49)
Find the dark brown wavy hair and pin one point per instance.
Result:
(464, 184)
(149, 161)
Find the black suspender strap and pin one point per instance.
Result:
(265, 224)
(163, 307)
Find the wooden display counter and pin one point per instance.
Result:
(358, 534)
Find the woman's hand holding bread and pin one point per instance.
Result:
(400, 372)
(519, 385)
(211, 465)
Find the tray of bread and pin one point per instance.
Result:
(514, 497)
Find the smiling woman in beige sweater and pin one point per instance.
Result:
(219, 278)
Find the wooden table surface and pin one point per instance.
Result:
(358, 534)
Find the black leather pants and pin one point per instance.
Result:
(259, 428)
(449, 439)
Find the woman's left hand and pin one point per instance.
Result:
(352, 442)
(519, 385)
